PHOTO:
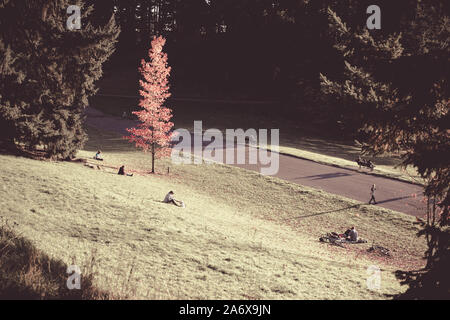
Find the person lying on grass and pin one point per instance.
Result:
(170, 199)
(122, 172)
(98, 156)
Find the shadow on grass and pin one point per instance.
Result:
(433, 281)
(347, 208)
(20, 151)
(327, 176)
(326, 212)
(394, 199)
(9, 151)
(28, 274)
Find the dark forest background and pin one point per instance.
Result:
(241, 49)
(252, 49)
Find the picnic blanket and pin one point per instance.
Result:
(340, 240)
(336, 239)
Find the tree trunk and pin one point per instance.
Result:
(153, 158)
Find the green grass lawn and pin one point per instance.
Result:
(241, 236)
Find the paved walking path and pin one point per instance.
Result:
(392, 194)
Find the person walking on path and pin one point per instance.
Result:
(372, 193)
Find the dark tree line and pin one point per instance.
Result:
(268, 49)
(47, 74)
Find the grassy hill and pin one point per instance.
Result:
(241, 236)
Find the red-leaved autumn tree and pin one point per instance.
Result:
(154, 132)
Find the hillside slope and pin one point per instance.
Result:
(242, 235)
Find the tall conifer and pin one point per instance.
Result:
(48, 72)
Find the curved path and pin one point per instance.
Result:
(391, 194)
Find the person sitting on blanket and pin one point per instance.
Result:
(346, 234)
(351, 234)
(98, 156)
(170, 199)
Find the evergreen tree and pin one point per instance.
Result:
(48, 73)
(398, 84)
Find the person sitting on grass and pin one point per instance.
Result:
(170, 199)
(351, 234)
(346, 234)
(122, 172)
(98, 156)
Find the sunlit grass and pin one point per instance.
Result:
(241, 236)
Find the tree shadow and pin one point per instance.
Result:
(326, 176)
(433, 281)
(28, 274)
(18, 151)
(327, 212)
(393, 199)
